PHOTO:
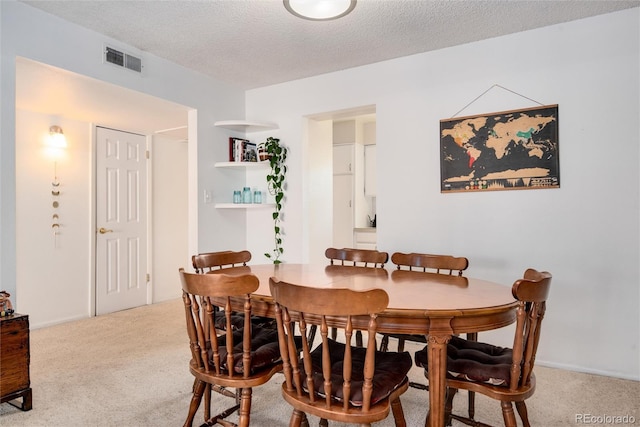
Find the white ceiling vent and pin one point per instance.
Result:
(122, 59)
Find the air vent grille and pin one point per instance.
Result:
(114, 56)
(133, 63)
(122, 59)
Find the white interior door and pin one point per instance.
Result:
(121, 220)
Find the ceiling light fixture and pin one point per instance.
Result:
(319, 10)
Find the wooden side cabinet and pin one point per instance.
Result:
(14, 361)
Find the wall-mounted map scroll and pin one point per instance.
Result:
(500, 151)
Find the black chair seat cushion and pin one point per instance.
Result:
(390, 372)
(264, 349)
(474, 361)
(237, 321)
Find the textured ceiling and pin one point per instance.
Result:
(254, 43)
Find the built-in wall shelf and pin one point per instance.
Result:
(245, 165)
(245, 125)
(244, 205)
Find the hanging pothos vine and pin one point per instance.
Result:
(277, 155)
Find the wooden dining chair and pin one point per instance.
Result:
(503, 374)
(369, 258)
(212, 262)
(440, 264)
(240, 358)
(209, 261)
(357, 257)
(337, 381)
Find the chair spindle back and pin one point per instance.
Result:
(344, 309)
(209, 261)
(198, 292)
(531, 292)
(363, 257)
(441, 264)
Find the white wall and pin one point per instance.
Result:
(170, 216)
(53, 282)
(585, 233)
(44, 261)
(30, 33)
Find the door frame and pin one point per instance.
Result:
(93, 222)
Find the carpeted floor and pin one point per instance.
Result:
(131, 369)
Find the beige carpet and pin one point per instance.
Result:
(130, 369)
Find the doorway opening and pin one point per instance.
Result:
(344, 201)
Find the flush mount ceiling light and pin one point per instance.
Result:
(320, 10)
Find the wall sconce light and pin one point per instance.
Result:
(319, 10)
(56, 137)
(57, 143)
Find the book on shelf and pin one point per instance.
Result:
(242, 150)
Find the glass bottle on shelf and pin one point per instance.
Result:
(237, 196)
(257, 196)
(246, 195)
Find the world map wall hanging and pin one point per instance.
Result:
(510, 150)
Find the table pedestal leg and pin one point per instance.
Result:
(439, 335)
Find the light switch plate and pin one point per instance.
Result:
(208, 198)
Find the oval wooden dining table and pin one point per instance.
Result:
(435, 305)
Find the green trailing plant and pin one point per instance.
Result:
(277, 155)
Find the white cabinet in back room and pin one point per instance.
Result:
(352, 207)
(343, 159)
(365, 238)
(343, 181)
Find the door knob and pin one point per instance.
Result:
(103, 230)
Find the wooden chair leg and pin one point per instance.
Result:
(358, 338)
(508, 414)
(398, 413)
(448, 405)
(245, 407)
(400, 345)
(207, 401)
(524, 415)
(472, 336)
(296, 418)
(472, 404)
(198, 389)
